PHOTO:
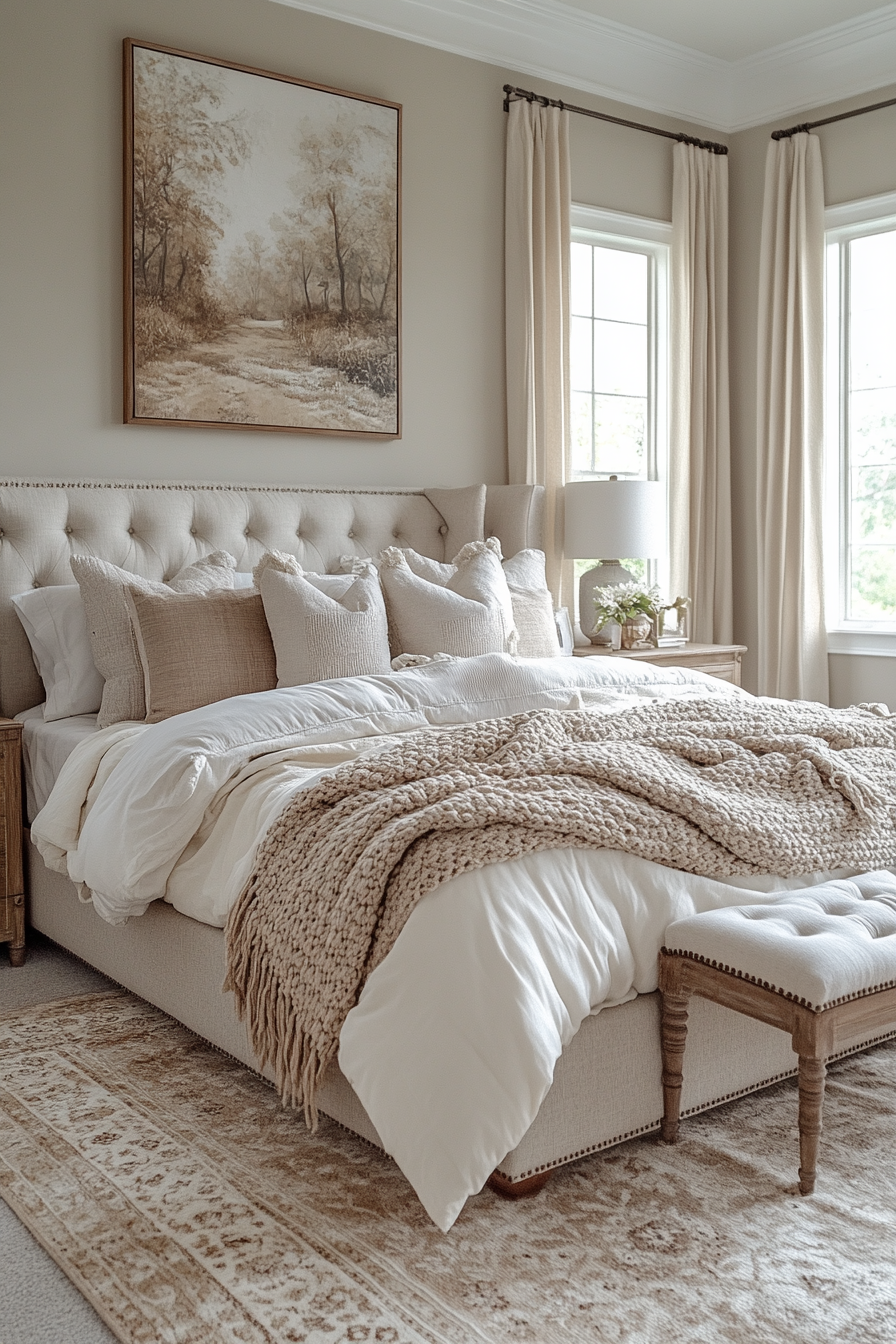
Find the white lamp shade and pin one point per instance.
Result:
(614, 519)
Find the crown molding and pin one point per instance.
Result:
(546, 39)
(549, 40)
(834, 63)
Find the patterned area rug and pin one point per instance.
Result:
(188, 1206)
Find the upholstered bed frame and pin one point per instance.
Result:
(607, 1084)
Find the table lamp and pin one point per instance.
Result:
(611, 518)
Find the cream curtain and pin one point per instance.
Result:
(536, 268)
(792, 640)
(699, 466)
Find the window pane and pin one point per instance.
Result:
(872, 349)
(580, 278)
(619, 435)
(872, 588)
(620, 285)
(620, 359)
(872, 311)
(581, 416)
(872, 424)
(873, 504)
(580, 360)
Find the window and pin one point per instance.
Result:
(860, 426)
(619, 282)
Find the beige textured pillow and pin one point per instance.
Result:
(319, 632)
(469, 614)
(533, 605)
(196, 648)
(112, 643)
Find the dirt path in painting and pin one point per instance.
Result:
(252, 374)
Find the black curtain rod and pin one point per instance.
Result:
(516, 94)
(826, 121)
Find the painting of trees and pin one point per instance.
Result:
(262, 218)
(180, 150)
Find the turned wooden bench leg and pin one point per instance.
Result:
(518, 1189)
(812, 1075)
(674, 1032)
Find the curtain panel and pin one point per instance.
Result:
(536, 269)
(792, 642)
(700, 456)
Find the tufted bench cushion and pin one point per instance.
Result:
(818, 963)
(820, 947)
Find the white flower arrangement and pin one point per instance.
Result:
(621, 602)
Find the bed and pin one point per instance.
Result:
(606, 1084)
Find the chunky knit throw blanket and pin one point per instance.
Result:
(716, 788)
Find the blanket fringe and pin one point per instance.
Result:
(263, 1002)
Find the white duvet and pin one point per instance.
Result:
(452, 1045)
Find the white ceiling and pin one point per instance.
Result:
(724, 64)
(729, 29)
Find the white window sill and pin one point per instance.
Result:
(867, 643)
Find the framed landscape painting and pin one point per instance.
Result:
(262, 250)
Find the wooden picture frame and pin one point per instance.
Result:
(262, 257)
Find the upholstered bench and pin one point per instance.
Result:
(819, 963)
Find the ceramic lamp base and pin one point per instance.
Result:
(604, 575)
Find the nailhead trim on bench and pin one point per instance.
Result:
(785, 994)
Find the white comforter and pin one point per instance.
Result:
(452, 1046)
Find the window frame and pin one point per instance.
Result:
(653, 238)
(843, 223)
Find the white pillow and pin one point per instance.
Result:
(334, 585)
(425, 568)
(56, 625)
(323, 625)
(533, 605)
(467, 614)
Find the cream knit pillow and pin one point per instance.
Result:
(324, 625)
(533, 605)
(469, 614)
(112, 641)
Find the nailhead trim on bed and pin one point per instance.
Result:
(237, 487)
(654, 1128)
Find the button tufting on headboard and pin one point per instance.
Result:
(153, 529)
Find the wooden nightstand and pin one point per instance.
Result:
(719, 660)
(12, 882)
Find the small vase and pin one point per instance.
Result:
(635, 632)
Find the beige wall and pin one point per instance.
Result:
(858, 161)
(60, 216)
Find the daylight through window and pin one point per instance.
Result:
(861, 421)
(618, 348)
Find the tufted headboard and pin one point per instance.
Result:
(154, 529)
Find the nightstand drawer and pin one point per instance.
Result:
(718, 660)
(724, 671)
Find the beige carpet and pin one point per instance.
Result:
(188, 1206)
